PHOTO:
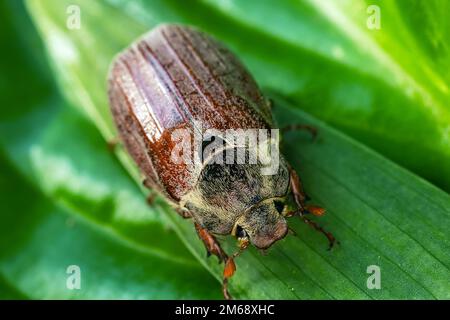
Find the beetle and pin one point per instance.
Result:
(172, 79)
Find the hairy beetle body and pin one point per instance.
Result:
(176, 78)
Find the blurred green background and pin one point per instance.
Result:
(379, 96)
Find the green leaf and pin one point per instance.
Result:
(40, 239)
(65, 200)
(382, 214)
(9, 293)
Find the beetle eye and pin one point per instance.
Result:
(240, 232)
(279, 206)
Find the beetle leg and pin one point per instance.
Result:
(299, 197)
(329, 235)
(211, 244)
(230, 267)
(183, 213)
(149, 184)
(113, 143)
(294, 127)
(151, 198)
(213, 247)
(228, 272)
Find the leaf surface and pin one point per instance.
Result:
(382, 214)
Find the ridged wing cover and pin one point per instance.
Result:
(171, 77)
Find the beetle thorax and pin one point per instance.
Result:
(223, 192)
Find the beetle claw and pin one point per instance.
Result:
(329, 235)
(113, 143)
(225, 292)
(295, 127)
(299, 197)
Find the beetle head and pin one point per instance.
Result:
(262, 224)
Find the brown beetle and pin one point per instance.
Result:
(178, 79)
